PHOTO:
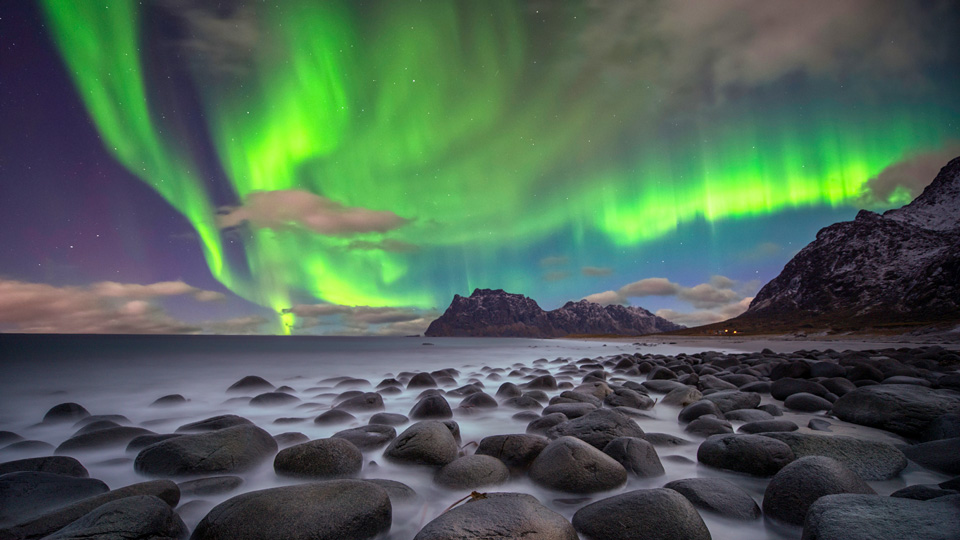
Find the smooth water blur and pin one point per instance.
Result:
(125, 374)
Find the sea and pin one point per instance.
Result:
(125, 374)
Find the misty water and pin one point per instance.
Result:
(124, 375)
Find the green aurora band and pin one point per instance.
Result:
(434, 111)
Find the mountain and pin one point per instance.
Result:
(899, 267)
(496, 313)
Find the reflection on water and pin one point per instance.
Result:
(124, 375)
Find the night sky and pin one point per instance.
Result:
(346, 167)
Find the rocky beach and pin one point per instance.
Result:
(498, 438)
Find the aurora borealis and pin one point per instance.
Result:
(491, 137)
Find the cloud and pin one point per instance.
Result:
(702, 50)
(221, 37)
(719, 292)
(388, 244)
(901, 182)
(557, 275)
(297, 209)
(252, 324)
(362, 320)
(596, 271)
(706, 316)
(112, 289)
(555, 260)
(103, 308)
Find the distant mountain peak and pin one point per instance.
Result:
(495, 312)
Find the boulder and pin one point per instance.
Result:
(941, 456)
(751, 454)
(65, 412)
(730, 400)
(233, 449)
(569, 410)
(215, 423)
(171, 400)
(389, 419)
(598, 428)
(250, 383)
(516, 451)
(62, 465)
(139, 443)
(422, 380)
(478, 400)
(28, 494)
(717, 495)
(650, 514)
(786, 387)
(681, 397)
(945, 426)
(922, 492)
(792, 490)
(706, 426)
(333, 417)
(139, 517)
(213, 485)
(748, 415)
(431, 407)
(499, 515)
(320, 458)
(696, 410)
(624, 397)
(870, 460)
(768, 426)
(330, 510)
(472, 472)
(637, 456)
(102, 438)
(365, 402)
(904, 409)
(273, 399)
(425, 443)
(873, 517)
(571, 465)
(370, 437)
(543, 424)
(805, 402)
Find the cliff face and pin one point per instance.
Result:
(496, 313)
(902, 266)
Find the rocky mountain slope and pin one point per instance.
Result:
(496, 313)
(901, 266)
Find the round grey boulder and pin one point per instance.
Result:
(637, 456)
(472, 472)
(320, 458)
(28, 494)
(368, 437)
(751, 454)
(696, 410)
(63, 465)
(65, 412)
(431, 407)
(571, 465)
(516, 451)
(250, 383)
(101, 438)
(717, 495)
(330, 510)
(389, 419)
(215, 423)
(333, 417)
(805, 402)
(792, 490)
(624, 397)
(233, 449)
(569, 410)
(873, 517)
(142, 517)
(478, 400)
(598, 428)
(272, 399)
(764, 426)
(904, 409)
(870, 460)
(650, 514)
(731, 400)
(499, 515)
(748, 415)
(543, 424)
(425, 443)
(706, 426)
(365, 402)
(213, 485)
(681, 397)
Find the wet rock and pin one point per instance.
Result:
(103, 438)
(569, 410)
(509, 390)
(543, 382)
(730, 400)
(65, 412)
(637, 456)
(598, 428)
(389, 419)
(597, 389)
(921, 492)
(623, 397)
(478, 400)
(290, 438)
(696, 410)
(214, 485)
(215, 423)
(250, 383)
(499, 515)
(400, 494)
(365, 402)
(273, 399)
(903, 409)
(706, 426)
(872, 517)
(717, 495)
(171, 400)
(571, 465)
(751, 454)
(541, 425)
(8, 437)
(62, 465)
(431, 407)
(945, 426)
(795, 487)
(425, 443)
(28, 494)
(805, 402)
(942, 456)
(665, 439)
(650, 514)
(330, 510)
(140, 517)
(472, 472)
(140, 442)
(422, 380)
(522, 402)
(748, 415)
(370, 437)
(233, 449)
(28, 447)
(681, 397)
(662, 386)
(768, 426)
(786, 387)
(320, 458)
(96, 426)
(516, 451)
(870, 460)
(333, 417)
(819, 424)
(59, 518)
